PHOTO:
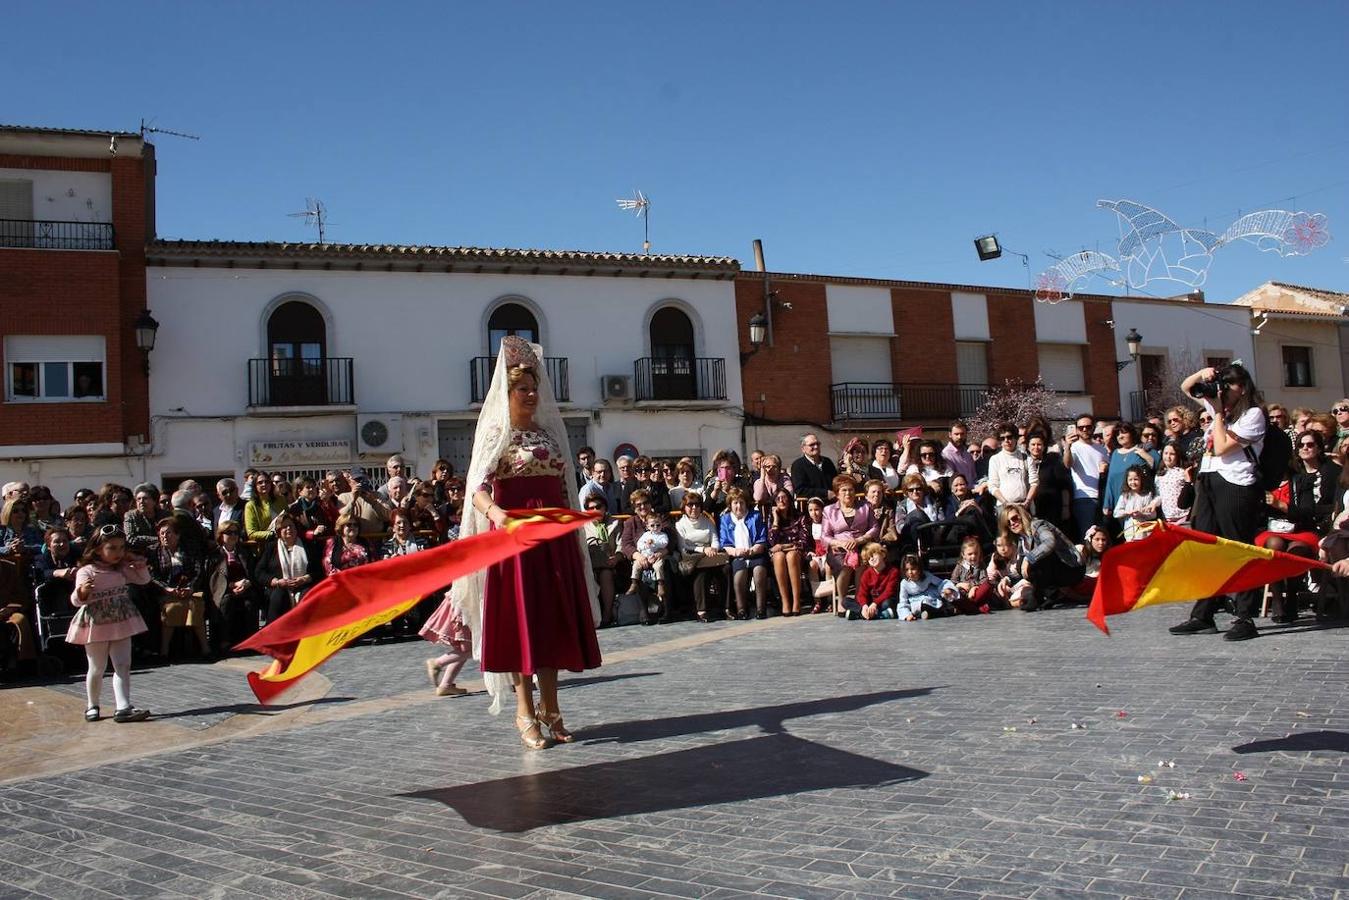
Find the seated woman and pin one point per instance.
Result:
(236, 597)
(403, 541)
(648, 478)
(882, 464)
(883, 508)
(932, 466)
(178, 582)
(1300, 516)
(788, 542)
(46, 509)
(847, 525)
(745, 540)
(346, 549)
(425, 518)
(1049, 561)
(700, 556)
(20, 544)
(686, 473)
(972, 510)
(601, 537)
(920, 507)
(853, 461)
(724, 475)
(651, 569)
(284, 569)
(77, 523)
(771, 479)
(310, 515)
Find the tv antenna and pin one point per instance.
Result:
(315, 213)
(642, 205)
(149, 128)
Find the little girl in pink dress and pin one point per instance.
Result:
(446, 627)
(106, 618)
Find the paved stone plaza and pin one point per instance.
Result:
(786, 758)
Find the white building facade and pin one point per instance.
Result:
(299, 358)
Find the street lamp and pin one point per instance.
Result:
(758, 331)
(146, 329)
(1133, 340)
(987, 247)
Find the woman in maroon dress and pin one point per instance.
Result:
(534, 616)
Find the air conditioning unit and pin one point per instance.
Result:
(381, 433)
(615, 388)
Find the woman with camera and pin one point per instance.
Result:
(1229, 499)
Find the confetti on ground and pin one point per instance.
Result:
(1166, 764)
(1009, 728)
(1239, 776)
(1031, 720)
(1145, 779)
(1303, 715)
(1121, 715)
(1078, 727)
(1177, 795)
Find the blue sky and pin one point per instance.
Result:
(863, 139)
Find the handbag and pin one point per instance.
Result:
(852, 559)
(628, 609)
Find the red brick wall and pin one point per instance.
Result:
(793, 375)
(83, 292)
(1102, 376)
(923, 321)
(1012, 354)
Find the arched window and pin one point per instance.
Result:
(510, 318)
(672, 353)
(297, 346)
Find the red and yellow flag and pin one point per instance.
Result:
(1175, 564)
(346, 605)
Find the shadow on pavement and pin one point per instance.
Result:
(250, 708)
(771, 765)
(769, 718)
(1296, 743)
(564, 683)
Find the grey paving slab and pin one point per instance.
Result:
(810, 758)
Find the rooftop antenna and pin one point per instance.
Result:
(642, 204)
(315, 213)
(149, 128)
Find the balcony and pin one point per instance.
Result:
(855, 400)
(324, 381)
(679, 378)
(480, 369)
(39, 234)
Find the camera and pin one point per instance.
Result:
(1206, 390)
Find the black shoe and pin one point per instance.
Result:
(1241, 630)
(131, 714)
(1194, 626)
(91, 714)
(761, 615)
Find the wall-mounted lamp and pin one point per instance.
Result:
(146, 329)
(758, 332)
(1133, 340)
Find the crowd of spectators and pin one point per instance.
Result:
(919, 529)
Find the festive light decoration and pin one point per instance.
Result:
(1154, 247)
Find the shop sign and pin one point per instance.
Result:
(298, 453)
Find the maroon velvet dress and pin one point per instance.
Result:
(536, 606)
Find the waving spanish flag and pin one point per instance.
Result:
(1174, 564)
(346, 605)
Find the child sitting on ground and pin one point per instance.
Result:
(922, 594)
(1004, 570)
(1094, 544)
(648, 567)
(1136, 504)
(970, 575)
(878, 587)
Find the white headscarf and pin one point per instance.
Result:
(490, 441)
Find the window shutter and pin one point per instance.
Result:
(1061, 367)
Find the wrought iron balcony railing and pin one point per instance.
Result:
(886, 400)
(679, 378)
(40, 234)
(324, 381)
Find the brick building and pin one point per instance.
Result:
(864, 355)
(76, 209)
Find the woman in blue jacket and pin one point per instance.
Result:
(745, 540)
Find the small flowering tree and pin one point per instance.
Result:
(1015, 402)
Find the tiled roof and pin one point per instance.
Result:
(492, 256)
(38, 129)
(1295, 300)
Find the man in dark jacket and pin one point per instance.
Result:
(813, 473)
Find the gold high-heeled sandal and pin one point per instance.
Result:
(524, 724)
(556, 729)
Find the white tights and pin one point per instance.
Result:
(99, 652)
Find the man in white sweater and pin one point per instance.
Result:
(1009, 479)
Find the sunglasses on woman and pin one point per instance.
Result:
(111, 531)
